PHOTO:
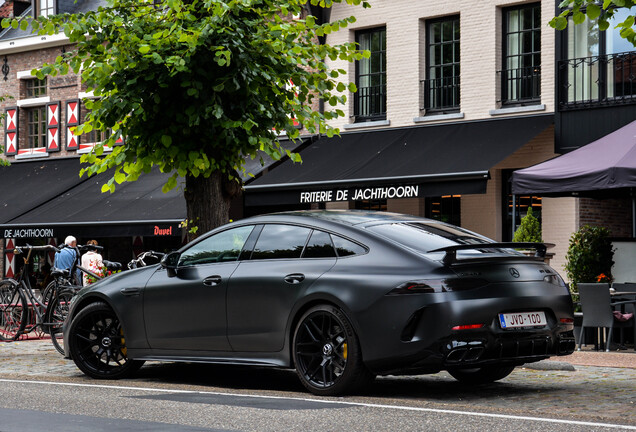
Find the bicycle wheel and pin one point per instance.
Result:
(13, 310)
(56, 314)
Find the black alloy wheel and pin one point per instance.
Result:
(481, 375)
(97, 344)
(327, 353)
(13, 311)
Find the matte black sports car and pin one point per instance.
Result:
(341, 296)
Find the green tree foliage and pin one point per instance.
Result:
(590, 255)
(194, 86)
(580, 10)
(529, 230)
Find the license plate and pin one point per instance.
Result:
(522, 319)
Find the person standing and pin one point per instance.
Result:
(92, 261)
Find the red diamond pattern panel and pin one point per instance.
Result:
(72, 115)
(12, 142)
(71, 140)
(53, 115)
(9, 262)
(12, 119)
(50, 256)
(53, 139)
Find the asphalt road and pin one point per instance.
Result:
(40, 391)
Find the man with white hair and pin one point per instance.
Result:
(65, 258)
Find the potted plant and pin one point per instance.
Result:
(589, 259)
(529, 230)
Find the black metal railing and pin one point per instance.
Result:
(370, 103)
(441, 94)
(597, 81)
(520, 85)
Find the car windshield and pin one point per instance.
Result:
(424, 237)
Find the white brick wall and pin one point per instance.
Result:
(480, 27)
(481, 56)
(563, 216)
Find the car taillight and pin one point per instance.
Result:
(554, 279)
(438, 285)
(468, 327)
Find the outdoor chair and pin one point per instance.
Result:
(596, 305)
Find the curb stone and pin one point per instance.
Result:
(550, 365)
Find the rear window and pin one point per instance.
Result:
(425, 237)
(345, 247)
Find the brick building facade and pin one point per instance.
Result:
(439, 65)
(38, 138)
(439, 73)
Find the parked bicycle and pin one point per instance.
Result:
(68, 283)
(140, 260)
(19, 300)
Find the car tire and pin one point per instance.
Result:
(327, 354)
(97, 344)
(482, 375)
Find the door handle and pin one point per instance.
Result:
(294, 278)
(130, 291)
(212, 280)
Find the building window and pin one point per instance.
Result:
(600, 68)
(370, 99)
(35, 88)
(97, 136)
(521, 203)
(45, 8)
(521, 74)
(372, 204)
(441, 86)
(36, 127)
(445, 208)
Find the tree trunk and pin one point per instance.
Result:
(208, 201)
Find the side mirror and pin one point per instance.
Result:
(171, 260)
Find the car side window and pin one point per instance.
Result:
(280, 241)
(345, 247)
(319, 246)
(221, 247)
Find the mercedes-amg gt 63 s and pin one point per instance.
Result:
(341, 296)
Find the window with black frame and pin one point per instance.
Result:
(370, 99)
(445, 208)
(441, 86)
(600, 65)
(36, 127)
(35, 88)
(521, 74)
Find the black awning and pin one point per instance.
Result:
(27, 185)
(132, 202)
(255, 167)
(436, 160)
(48, 194)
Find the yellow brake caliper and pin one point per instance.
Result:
(124, 350)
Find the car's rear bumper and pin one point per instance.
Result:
(427, 338)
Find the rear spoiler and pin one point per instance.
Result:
(451, 251)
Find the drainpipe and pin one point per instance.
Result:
(514, 208)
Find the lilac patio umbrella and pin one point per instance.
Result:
(606, 166)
